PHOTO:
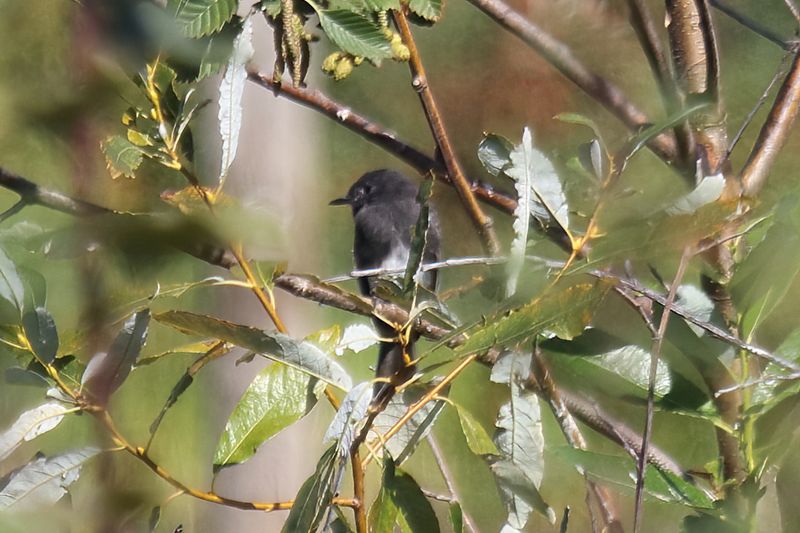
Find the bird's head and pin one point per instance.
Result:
(376, 187)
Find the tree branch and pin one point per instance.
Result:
(377, 135)
(561, 57)
(419, 82)
(774, 133)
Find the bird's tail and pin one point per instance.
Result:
(395, 367)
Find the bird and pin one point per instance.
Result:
(385, 209)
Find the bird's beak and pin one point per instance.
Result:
(340, 201)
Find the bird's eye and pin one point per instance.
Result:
(367, 189)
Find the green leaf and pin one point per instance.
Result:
(107, 371)
(315, 496)
(277, 397)
(43, 481)
(621, 471)
(523, 182)
(40, 330)
(414, 508)
(564, 312)
(519, 494)
(456, 517)
(419, 238)
(122, 156)
(11, 287)
(548, 204)
(402, 445)
(197, 18)
(219, 49)
(427, 9)
(708, 190)
(477, 439)
(30, 425)
(763, 279)
(381, 5)
(494, 152)
(301, 355)
(354, 33)
(230, 97)
(383, 512)
(347, 422)
(520, 442)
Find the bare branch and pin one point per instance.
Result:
(774, 133)
(420, 83)
(561, 57)
(31, 193)
(549, 392)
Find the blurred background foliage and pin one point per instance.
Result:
(64, 83)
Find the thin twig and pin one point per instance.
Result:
(419, 82)
(655, 354)
(447, 476)
(794, 9)
(774, 133)
(561, 57)
(762, 99)
(752, 25)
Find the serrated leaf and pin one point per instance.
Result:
(315, 496)
(122, 156)
(43, 481)
(382, 5)
(11, 288)
(478, 439)
(520, 441)
(277, 397)
(230, 97)
(523, 183)
(519, 494)
(301, 355)
(106, 372)
(563, 312)
(197, 18)
(346, 423)
(548, 204)
(427, 9)
(621, 472)
(494, 153)
(354, 33)
(30, 425)
(40, 330)
(402, 445)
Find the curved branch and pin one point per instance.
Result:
(561, 57)
(377, 135)
(774, 133)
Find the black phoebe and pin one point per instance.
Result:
(385, 209)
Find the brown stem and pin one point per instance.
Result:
(358, 491)
(549, 392)
(655, 354)
(377, 135)
(561, 57)
(420, 83)
(774, 133)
